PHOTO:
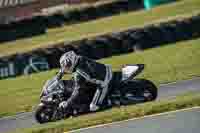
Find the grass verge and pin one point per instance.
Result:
(165, 64)
(111, 24)
(118, 114)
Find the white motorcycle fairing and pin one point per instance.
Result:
(130, 71)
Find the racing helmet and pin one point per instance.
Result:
(68, 61)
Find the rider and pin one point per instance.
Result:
(85, 70)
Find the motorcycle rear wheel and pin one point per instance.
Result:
(139, 90)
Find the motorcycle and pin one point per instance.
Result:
(125, 90)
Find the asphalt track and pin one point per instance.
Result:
(26, 120)
(186, 121)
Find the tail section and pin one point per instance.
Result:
(131, 70)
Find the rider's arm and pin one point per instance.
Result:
(60, 74)
(78, 79)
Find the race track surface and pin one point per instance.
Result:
(26, 120)
(187, 121)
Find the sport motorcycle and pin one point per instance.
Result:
(125, 89)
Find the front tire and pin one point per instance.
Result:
(43, 114)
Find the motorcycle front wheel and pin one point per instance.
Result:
(43, 114)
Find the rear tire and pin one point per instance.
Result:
(151, 87)
(140, 88)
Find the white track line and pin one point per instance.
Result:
(143, 117)
(178, 81)
(20, 115)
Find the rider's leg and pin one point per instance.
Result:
(98, 98)
(101, 91)
(94, 104)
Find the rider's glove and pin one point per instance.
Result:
(63, 105)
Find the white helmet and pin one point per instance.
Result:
(68, 61)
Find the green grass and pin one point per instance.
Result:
(164, 64)
(117, 114)
(100, 26)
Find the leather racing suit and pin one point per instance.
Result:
(87, 70)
